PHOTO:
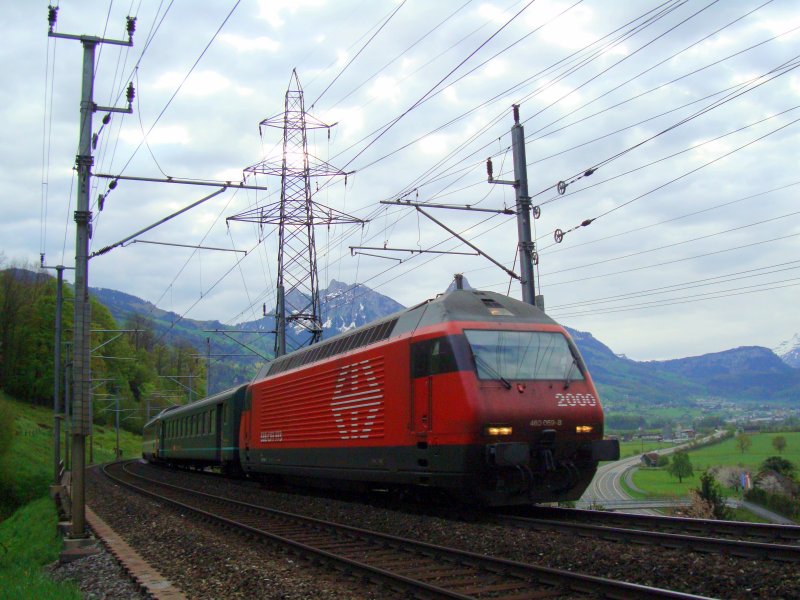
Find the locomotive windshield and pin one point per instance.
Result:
(522, 355)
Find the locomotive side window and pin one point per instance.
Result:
(523, 355)
(431, 357)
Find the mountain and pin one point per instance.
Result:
(749, 373)
(346, 306)
(745, 373)
(789, 351)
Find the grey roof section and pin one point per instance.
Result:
(199, 404)
(470, 305)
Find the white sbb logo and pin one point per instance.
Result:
(356, 401)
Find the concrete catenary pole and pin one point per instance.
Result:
(58, 417)
(57, 381)
(523, 209)
(82, 321)
(81, 424)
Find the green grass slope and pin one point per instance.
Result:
(28, 517)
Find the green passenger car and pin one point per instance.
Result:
(201, 434)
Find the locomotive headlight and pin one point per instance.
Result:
(498, 430)
(583, 429)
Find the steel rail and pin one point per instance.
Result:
(394, 559)
(712, 527)
(696, 543)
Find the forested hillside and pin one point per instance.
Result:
(134, 368)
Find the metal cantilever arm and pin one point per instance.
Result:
(471, 245)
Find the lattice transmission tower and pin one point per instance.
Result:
(296, 215)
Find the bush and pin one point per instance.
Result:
(779, 465)
(711, 493)
(779, 503)
(663, 460)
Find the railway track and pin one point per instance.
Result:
(701, 535)
(420, 569)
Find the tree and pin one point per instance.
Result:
(743, 442)
(779, 465)
(681, 466)
(779, 443)
(711, 493)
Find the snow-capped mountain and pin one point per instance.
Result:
(789, 351)
(346, 306)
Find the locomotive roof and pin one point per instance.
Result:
(470, 305)
(456, 305)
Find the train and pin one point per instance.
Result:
(473, 395)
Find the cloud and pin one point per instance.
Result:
(200, 83)
(272, 11)
(250, 44)
(162, 135)
(385, 88)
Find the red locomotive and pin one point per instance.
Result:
(472, 393)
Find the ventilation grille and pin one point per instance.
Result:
(339, 345)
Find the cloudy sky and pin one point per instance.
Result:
(686, 110)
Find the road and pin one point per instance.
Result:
(606, 487)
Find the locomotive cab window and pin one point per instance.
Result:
(523, 355)
(431, 357)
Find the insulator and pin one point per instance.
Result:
(94, 141)
(52, 16)
(101, 200)
(131, 93)
(587, 222)
(107, 119)
(589, 172)
(558, 235)
(535, 258)
(537, 211)
(131, 26)
(561, 187)
(489, 168)
(113, 184)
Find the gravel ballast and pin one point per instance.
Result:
(98, 577)
(207, 562)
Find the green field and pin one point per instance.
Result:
(660, 483)
(28, 517)
(636, 447)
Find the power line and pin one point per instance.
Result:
(686, 285)
(406, 50)
(681, 300)
(559, 235)
(674, 261)
(180, 85)
(674, 154)
(392, 123)
(531, 137)
(684, 216)
(357, 54)
(776, 72)
(674, 244)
